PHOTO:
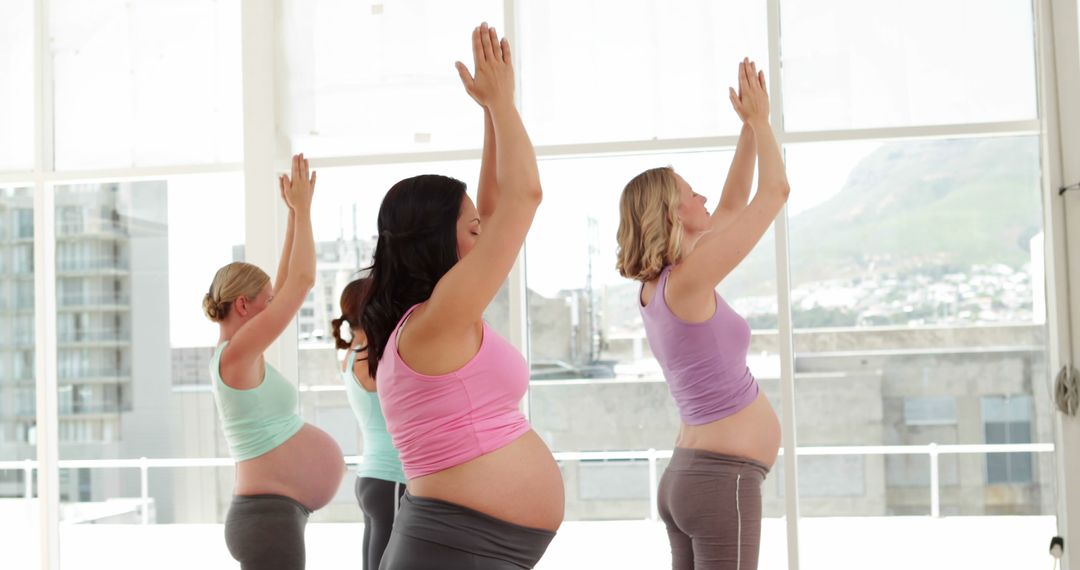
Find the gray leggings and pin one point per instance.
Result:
(379, 500)
(711, 505)
(266, 532)
(430, 534)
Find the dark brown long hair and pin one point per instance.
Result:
(417, 245)
(351, 298)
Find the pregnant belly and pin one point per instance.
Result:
(519, 483)
(753, 433)
(308, 467)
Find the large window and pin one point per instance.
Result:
(660, 70)
(899, 63)
(133, 349)
(915, 305)
(17, 89)
(145, 82)
(910, 254)
(18, 407)
(376, 78)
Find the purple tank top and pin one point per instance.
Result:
(704, 363)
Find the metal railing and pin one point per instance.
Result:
(653, 456)
(97, 299)
(94, 335)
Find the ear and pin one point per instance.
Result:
(240, 306)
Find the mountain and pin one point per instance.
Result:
(910, 206)
(955, 203)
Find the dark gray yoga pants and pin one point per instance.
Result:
(266, 532)
(379, 501)
(430, 534)
(711, 504)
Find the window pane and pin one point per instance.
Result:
(659, 70)
(852, 64)
(18, 393)
(916, 296)
(133, 349)
(938, 410)
(595, 385)
(369, 78)
(17, 88)
(146, 82)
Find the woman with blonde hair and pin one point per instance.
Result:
(710, 494)
(285, 468)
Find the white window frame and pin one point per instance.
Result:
(1058, 63)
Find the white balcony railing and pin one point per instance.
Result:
(933, 450)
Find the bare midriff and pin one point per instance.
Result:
(753, 433)
(308, 468)
(519, 483)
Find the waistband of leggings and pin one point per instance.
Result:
(263, 499)
(469, 530)
(688, 459)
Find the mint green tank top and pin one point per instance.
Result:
(381, 460)
(259, 419)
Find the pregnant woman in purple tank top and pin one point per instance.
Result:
(710, 494)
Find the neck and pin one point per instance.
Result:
(689, 241)
(227, 329)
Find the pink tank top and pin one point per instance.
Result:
(438, 422)
(704, 363)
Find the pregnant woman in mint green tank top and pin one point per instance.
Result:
(380, 480)
(285, 468)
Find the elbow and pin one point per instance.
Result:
(783, 190)
(306, 279)
(533, 194)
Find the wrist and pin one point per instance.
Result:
(757, 123)
(501, 107)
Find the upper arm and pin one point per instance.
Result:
(256, 335)
(723, 216)
(360, 368)
(461, 296)
(361, 372)
(718, 252)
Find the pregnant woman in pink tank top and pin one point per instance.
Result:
(710, 494)
(484, 491)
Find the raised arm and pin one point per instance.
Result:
(718, 252)
(286, 249)
(740, 176)
(461, 296)
(487, 192)
(256, 335)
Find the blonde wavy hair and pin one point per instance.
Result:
(230, 283)
(650, 233)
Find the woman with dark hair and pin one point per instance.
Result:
(380, 481)
(483, 489)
